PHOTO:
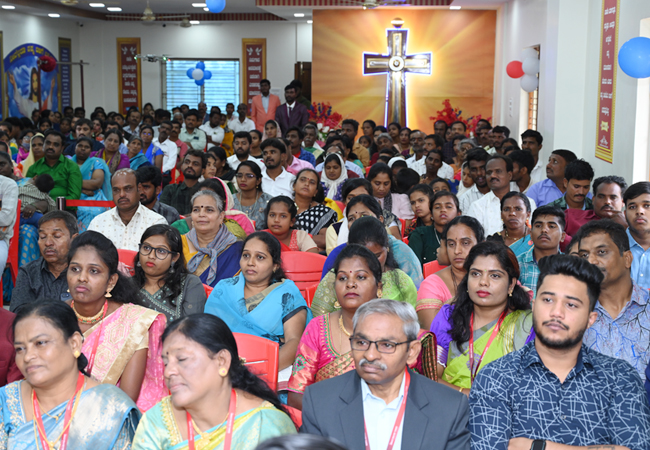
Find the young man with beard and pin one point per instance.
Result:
(607, 203)
(242, 144)
(556, 393)
(275, 178)
(476, 160)
(150, 185)
(179, 195)
(637, 215)
(577, 181)
(552, 187)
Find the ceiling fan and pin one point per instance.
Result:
(372, 4)
(148, 16)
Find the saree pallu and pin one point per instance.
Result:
(280, 302)
(127, 330)
(158, 429)
(106, 418)
(85, 213)
(515, 332)
(227, 261)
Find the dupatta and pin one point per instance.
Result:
(87, 169)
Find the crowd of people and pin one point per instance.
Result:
(531, 330)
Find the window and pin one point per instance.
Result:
(222, 88)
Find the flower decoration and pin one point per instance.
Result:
(199, 74)
(449, 115)
(325, 119)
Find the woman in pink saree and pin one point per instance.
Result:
(121, 338)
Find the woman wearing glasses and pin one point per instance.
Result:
(250, 199)
(165, 284)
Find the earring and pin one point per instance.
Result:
(108, 294)
(337, 305)
(138, 264)
(380, 293)
(223, 371)
(77, 353)
(171, 269)
(510, 294)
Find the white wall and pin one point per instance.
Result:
(286, 43)
(18, 29)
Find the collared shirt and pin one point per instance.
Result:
(380, 417)
(236, 125)
(282, 185)
(9, 212)
(234, 162)
(544, 192)
(469, 197)
(66, 175)
(539, 171)
(170, 153)
(529, 271)
(640, 262)
(627, 336)
(178, 196)
(217, 133)
(126, 236)
(196, 139)
(601, 401)
(168, 212)
(265, 103)
(487, 210)
(298, 164)
(561, 203)
(446, 171)
(35, 283)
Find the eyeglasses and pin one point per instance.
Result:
(362, 345)
(250, 176)
(161, 253)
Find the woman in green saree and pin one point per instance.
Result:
(490, 318)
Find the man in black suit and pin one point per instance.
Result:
(393, 405)
(291, 113)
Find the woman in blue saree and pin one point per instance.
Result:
(96, 184)
(48, 345)
(260, 301)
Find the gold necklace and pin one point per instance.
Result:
(88, 320)
(347, 333)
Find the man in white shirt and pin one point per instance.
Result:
(416, 162)
(487, 209)
(241, 122)
(213, 131)
(342, 144)
(125, 224)
(9, 212)
(191, 135)
(133, 118)
(275, 179)
(531, 141)
(522, 165)
(476, 160)
(242, 146)
(169, 148)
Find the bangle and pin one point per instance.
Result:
(460, 390)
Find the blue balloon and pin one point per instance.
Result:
(634, 57)
(207, 74)
(216, 6)
(189, 72)
(200, 65)
(199, 82)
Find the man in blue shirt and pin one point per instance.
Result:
(637, 214)
(552, 187)
(556, 392)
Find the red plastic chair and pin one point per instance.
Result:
(208, 290)
(295, 414)
(341, 205)
(303, 268)
(127, 257)
(13, 259)
(308, 293)
(405, 240)
(367, 171)
(260, 356)
(431, 267)
(403, 227)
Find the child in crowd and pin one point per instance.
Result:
(280, 215)
(35, 199)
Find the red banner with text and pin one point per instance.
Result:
(129, 80)
(254, 70)
(607, 84)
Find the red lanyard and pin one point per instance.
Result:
(91, 360)
(398, 420)
(229, 425)
(66, 422)
(473, 371)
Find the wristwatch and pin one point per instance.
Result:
(538, 444)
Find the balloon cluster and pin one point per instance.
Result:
(199, 74)
(215, 6)
(634, 57)
(526, 69)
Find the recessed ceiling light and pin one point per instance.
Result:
(310, 21)
(199, 5)
(8, 7)
(114, 9)
(298, 15)
(454, 7)
(96, 5)
(54, 15)
(195, 22)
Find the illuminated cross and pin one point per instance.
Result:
(396, 64)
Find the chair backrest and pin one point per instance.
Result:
(341, 205)
(405, 240)
(260, 356)
(403, 227)
(303, 268)
(13, 256)
(308, 293)
(431, 267)
(208, 290)
(295, 414)
(127, 257)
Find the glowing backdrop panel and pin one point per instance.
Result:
(461, 44)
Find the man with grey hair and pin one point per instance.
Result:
(382, 403)
(125, 224)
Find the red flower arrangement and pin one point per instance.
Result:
(449, 115)
(325, 118)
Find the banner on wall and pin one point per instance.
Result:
(65, 73)
(129, 80)
(254, 70)
(607, 84)
(3, 106)
(23, 80)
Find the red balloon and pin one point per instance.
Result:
(514, 69)
(47, 63)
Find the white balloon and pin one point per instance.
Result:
(197, 74)
(528, 53)
(529, 83)
(530, 66)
